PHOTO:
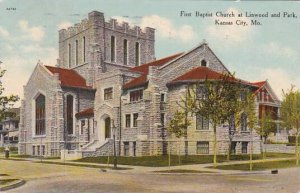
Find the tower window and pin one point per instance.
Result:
(125, 51)
(76, 52)
(112, 49)
(203, 63)
(137, 54)
(70, 54)
(83, 49)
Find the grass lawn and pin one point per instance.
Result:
(183, 171)
(81, 165)
(159, 161)
(260, 166)
(30, 156)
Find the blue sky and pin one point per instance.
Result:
(269, 51)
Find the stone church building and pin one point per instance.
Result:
(108, 82)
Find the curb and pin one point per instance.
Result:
(14, 185)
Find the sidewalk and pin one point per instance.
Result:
(144, 169)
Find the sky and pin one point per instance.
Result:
(270, 51)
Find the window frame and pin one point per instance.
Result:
(83, 48)
(135, 120)
(82, 125)
(127, 121)
(76, 53)
(125, 52)
(164, 99)
(244, 126)
(204, 63)
(113, 49)
(105, 95)
(72, 114)
(204, 127)
(202, 150)
(138, 97)
(70, 55)
(40, 116)
(137, 54)
(126, 150)
(244, 147)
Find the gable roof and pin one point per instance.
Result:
(265, 84)
(85, 113)
(204, 73)
(199, 73)
(259, 84)
(196, 47)
(144, 69)
(69, 77)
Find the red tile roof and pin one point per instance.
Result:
(259, 85)
(144, 69)
(85, 113)
(199, 73)
(69, 77)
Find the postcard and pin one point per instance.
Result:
(149, 96)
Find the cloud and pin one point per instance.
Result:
(166, 29)
(3, 32)
(64, 25)
(279, 79)
(234, 33)
(275, 49)
(35, 33)
(163, 26)
(21, 67)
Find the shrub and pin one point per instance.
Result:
(292, 139)
(13, 148)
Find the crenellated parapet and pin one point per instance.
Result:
(96, 18)
(74, 30)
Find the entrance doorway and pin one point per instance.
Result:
(107, 125)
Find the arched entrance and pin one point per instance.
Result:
(107, 125)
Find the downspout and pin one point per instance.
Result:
(78, 106)
(65, 123)
(120, 116)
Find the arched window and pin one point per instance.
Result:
(40, 115)
(125, 51)
(70, 114)
(137, 54)
(203, 63)
(113, 49)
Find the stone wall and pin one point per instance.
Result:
(96, 31)
(193, 135)
(279, 148)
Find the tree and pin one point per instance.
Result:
(208, 101)
(178, 126)
(233, 93)
(251, 119)
(5, 101)
(290, 114)
(265, 127)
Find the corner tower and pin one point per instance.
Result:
(96, 46)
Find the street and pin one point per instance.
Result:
(48, 178)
